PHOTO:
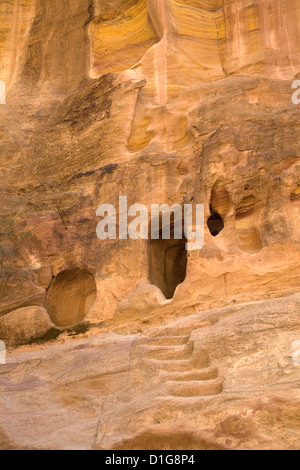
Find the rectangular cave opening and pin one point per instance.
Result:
(167, 262)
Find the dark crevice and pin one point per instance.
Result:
(215, 224)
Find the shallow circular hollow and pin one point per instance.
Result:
(71, 296)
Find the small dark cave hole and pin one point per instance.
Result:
(215, 224)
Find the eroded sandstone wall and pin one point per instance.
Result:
(165, 102)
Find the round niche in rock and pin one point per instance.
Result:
(71, 296)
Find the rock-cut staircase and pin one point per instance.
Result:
(184, 369)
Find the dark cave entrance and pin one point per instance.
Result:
(215, 224)
(167, 263)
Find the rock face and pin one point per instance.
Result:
(162, 101)
(25, 325)
(220, 379)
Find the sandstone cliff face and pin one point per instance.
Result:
(165, 101)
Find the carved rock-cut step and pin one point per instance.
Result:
(192, 404)
(195, 388)
(186, 330)
(172, 365)
(7, 368)
(194, 375)
(173, 353)
(166, 340)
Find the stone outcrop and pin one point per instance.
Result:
(219, 379)
(164, 101)
(25, 325)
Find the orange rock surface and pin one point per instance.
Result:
(138, 344)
